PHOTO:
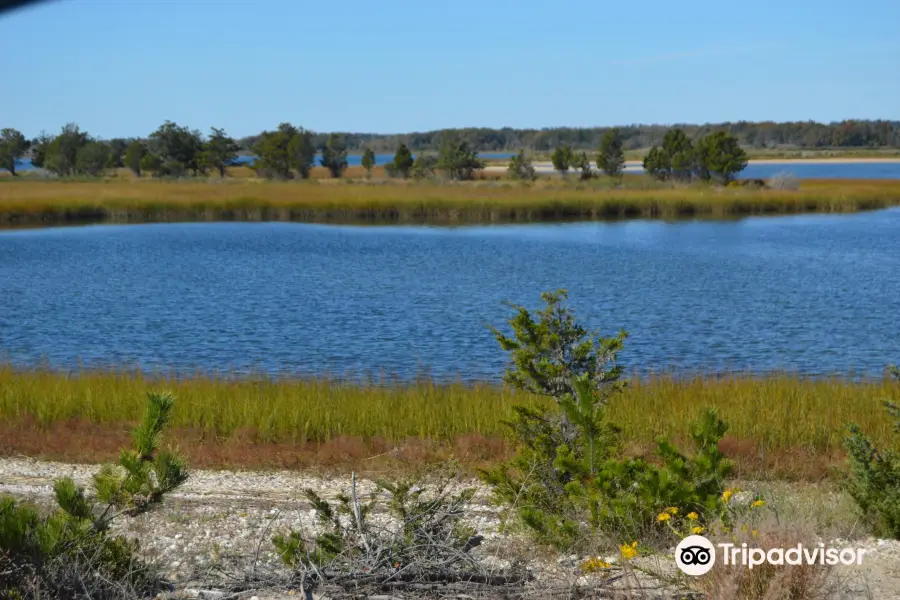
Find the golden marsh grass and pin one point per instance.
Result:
(33, 202)
(777, 412)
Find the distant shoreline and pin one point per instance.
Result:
(822, 160)
(498, 165)
(494, 164)
(803, 161)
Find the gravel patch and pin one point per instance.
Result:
(220, 522)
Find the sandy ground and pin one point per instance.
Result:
(220, 522)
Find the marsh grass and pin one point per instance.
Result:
(780, 423)
(29, 201)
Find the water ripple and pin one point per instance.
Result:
(809, 293)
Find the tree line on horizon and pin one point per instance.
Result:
(288, 151)
(751, 135)
(173, 150)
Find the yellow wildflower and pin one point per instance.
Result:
(663, 517)
(758, 503)
(629, 552)
(726, 495)
(693, 516)
(672, 510)
(697, 530)
(755, 533)
(594, 564)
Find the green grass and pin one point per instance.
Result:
(778, 411)
(29, 202)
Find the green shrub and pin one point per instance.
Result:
(569, 479)
(873, 479)
(521, 168)
(423, 167)
(582, 163)
(71, 553)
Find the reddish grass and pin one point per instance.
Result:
(81, 441)
(84, 442)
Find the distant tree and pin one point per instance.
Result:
(283, 151)
(134, 154)
(219, 151)
(656, 164)
(458, 159)
(302, 152)
(13, 146)
(178, 149)
(424, 166)
(117, 147)
(62, 152)
(334, 155)
(521, 167)
(611, 156)
(582, 163)
(92, 158)
(368, 161)
(403, 161)
(679, 154)
(39, 147)
(720, 157)
(676, 159)
(152, 163)
(272, 155)
(562, 159)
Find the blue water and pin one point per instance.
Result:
(816, 293)
(849, 170)
(825, 170)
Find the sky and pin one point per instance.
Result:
(119, 68)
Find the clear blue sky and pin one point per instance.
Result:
(121, 67)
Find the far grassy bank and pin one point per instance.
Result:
(29, 201)
(780, 425)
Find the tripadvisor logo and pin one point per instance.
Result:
(695, 555)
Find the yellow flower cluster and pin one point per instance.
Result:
(668, 514)
(629, 552)
(594, 564)
(691, 520)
